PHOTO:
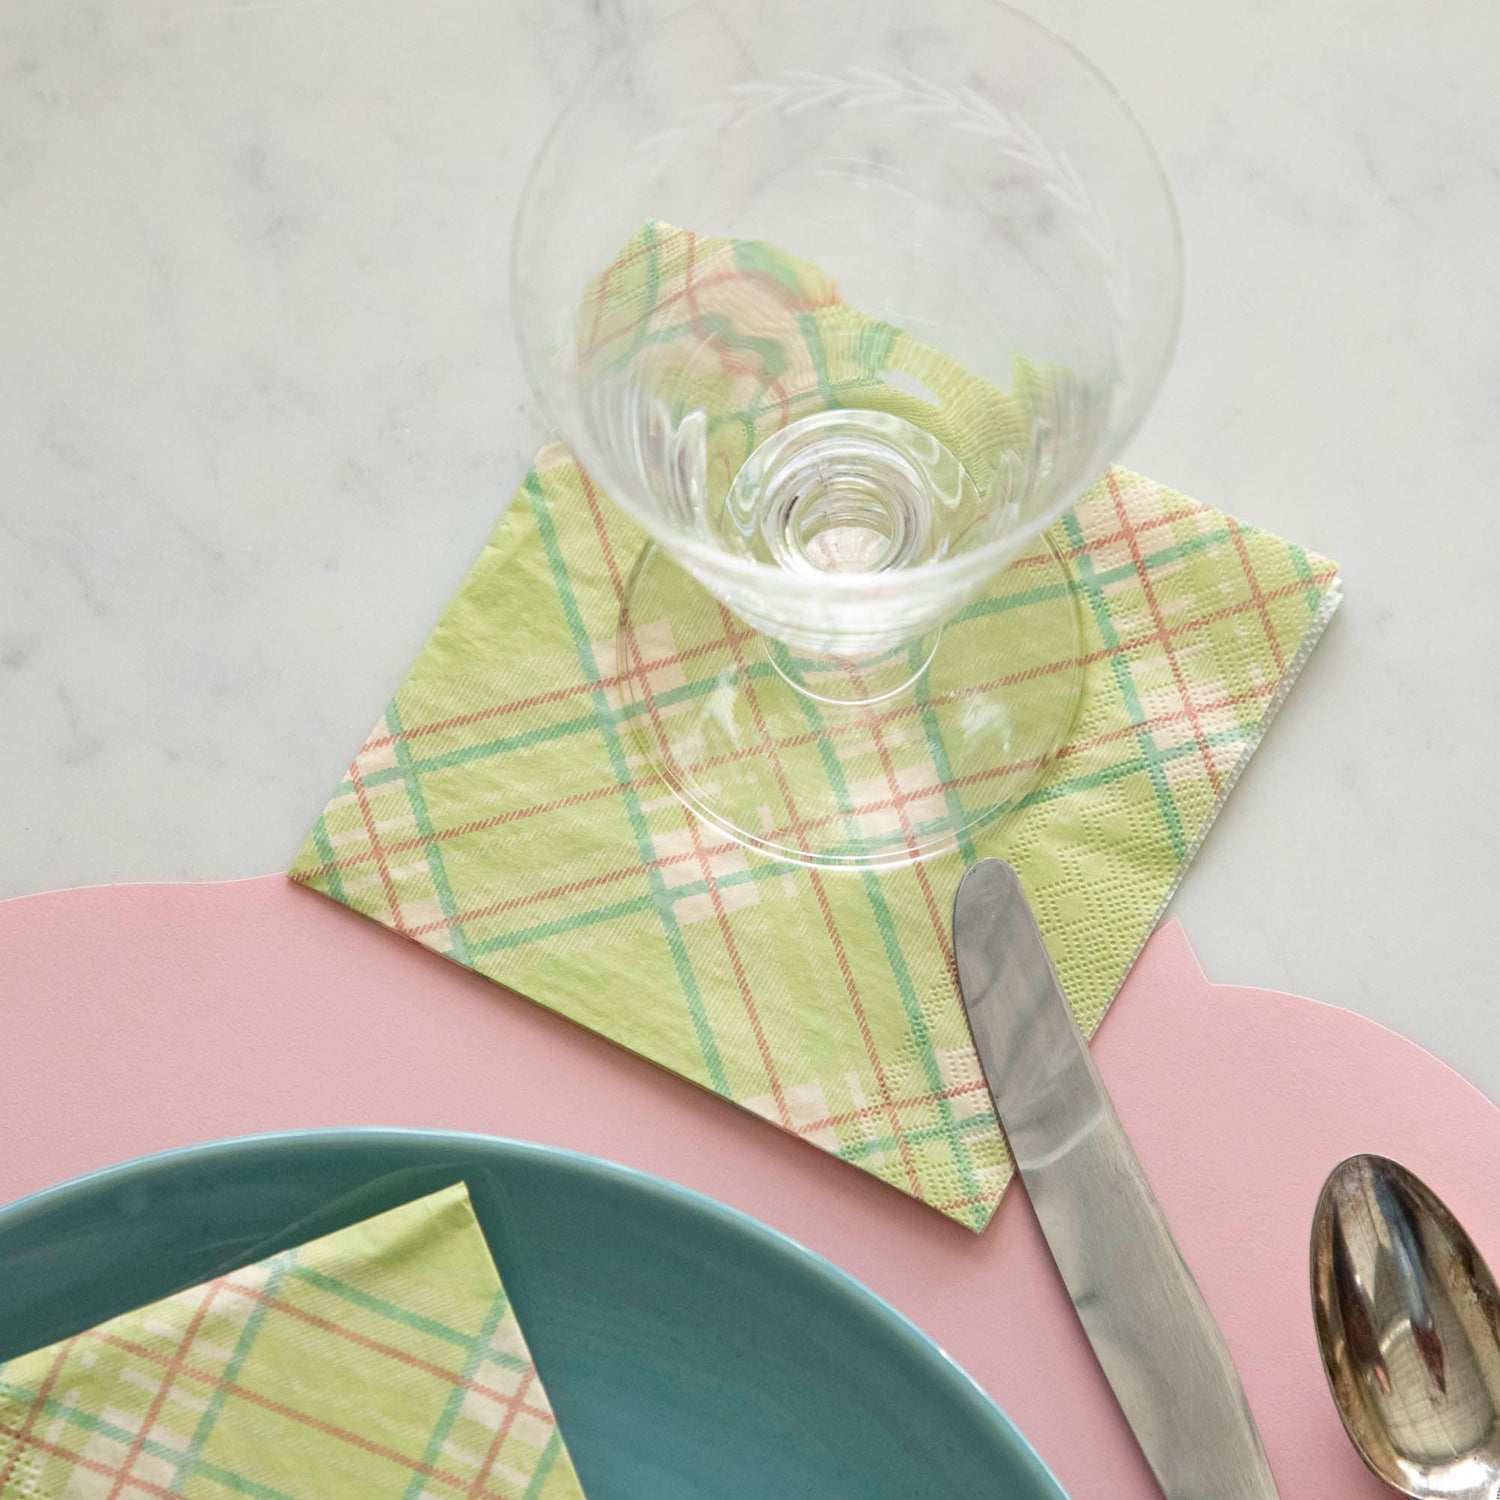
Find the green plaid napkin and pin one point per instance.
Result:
(499, 815)
(381, 1360)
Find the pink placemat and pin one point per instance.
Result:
(142, 1017)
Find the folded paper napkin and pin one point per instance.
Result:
(381, 1360)
(498, 814)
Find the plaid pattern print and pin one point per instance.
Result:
(755, 338)
(499, 812)
(381, 1360)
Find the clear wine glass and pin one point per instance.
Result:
(845, 303)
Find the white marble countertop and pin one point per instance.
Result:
(259, 406)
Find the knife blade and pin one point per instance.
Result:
(1150, 1328)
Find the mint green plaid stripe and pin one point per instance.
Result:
(193, 1459)
(891, 942)
(424, 826)
(545, 1464)
(358, 1297)
(479, 1350)
(1093, 592)
(680, 957)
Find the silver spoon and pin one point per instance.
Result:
(1408, 1321)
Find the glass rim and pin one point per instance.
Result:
(750, 571)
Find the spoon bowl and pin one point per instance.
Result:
(1408, 1322)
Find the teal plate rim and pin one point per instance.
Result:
(959, 1385)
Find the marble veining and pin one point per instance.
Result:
(259, 406)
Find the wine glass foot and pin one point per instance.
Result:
(851, 764)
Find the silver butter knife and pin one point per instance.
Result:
(1151, 1330)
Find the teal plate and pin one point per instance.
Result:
(689, 1351)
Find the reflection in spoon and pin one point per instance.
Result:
(1408, 1321)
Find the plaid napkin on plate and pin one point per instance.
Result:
(381, 1360)
(498, 815)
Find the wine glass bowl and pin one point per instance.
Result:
(844, 305)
